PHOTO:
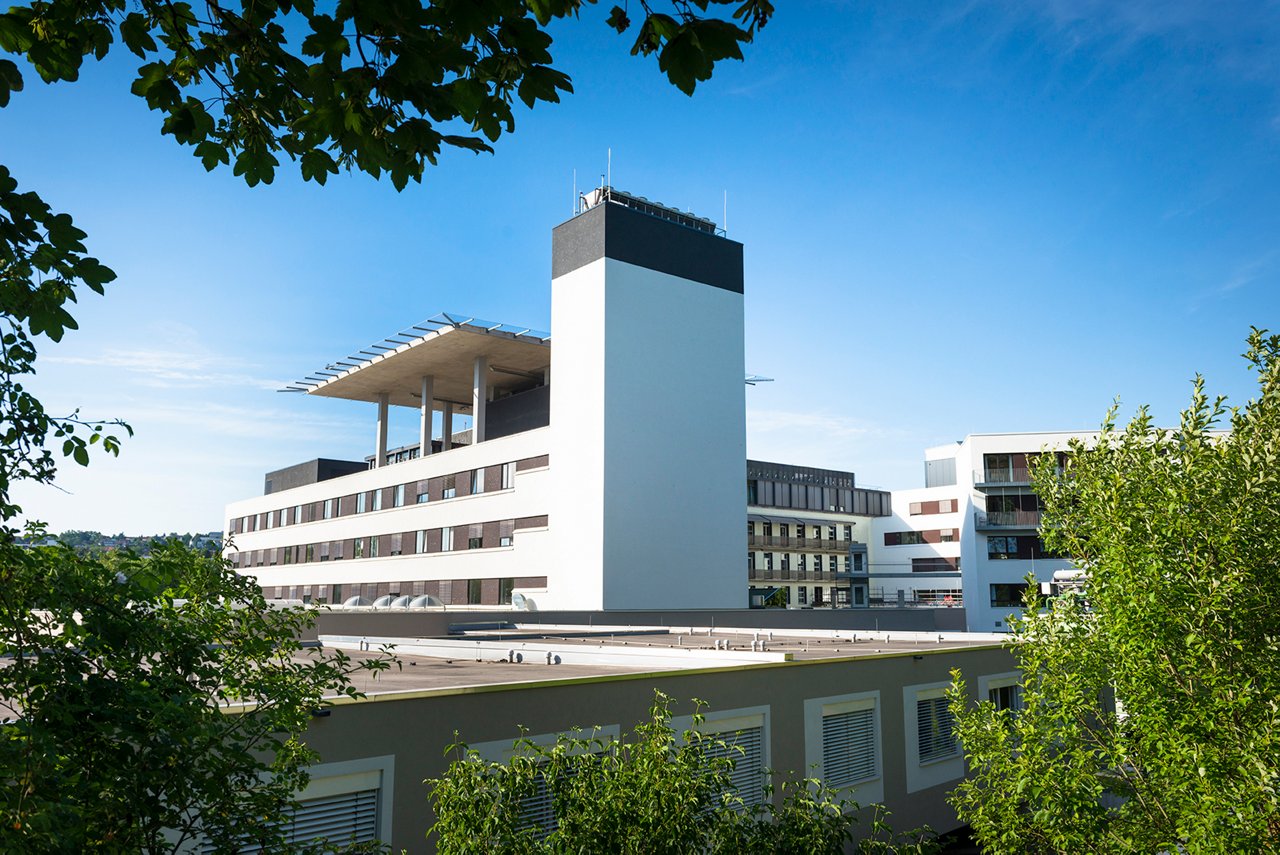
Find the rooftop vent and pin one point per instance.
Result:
(601, 195)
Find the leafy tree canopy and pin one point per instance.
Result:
(653, 791)
(1151, 718)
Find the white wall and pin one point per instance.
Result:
(648, 410)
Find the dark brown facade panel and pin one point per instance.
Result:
(532, 522)
(459, 587)
(531, 581)
(533, 462)
(433, 540)
(490, 535)
(492, 479)
(347, 505)
(488, 592)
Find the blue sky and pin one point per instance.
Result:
(958, 218)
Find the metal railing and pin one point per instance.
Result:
(1006, 519)
(800, 544)
(1016, 475)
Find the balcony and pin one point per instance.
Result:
(1006, 520)
(1002, 477)
(800, 544)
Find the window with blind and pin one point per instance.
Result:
(745, 747)
(849, 745)
(337, 820)
(934, 729)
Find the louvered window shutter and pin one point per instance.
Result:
(934, 729)
(848, 747)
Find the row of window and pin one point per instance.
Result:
(910, 538)
(941, 506)
(843, 738)
(801, 497)
(852, 563)
(475, 592)
(767, 529)
(470, 482)
(485, 535)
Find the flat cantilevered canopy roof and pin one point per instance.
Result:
(444, 347)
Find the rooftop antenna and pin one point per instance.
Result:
(609, 166)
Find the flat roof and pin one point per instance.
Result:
(444, 346)
(533, 653)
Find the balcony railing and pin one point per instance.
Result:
(994, 520)
(801, 544)
(761, 574)
(1002, 477)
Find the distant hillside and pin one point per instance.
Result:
(91, 541)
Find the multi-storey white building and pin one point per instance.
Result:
(969, 537)
(807, 535)
(585, 465)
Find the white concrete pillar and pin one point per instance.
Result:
(446, 427)
(479, 398)
(428, 411)
(380, 456)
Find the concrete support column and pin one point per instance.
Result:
(479, 398)
(380, 456)
(428, 411)
(446, 426)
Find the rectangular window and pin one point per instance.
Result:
(831, 563)
(934, 729)
(422, 542)
(297, 514)
(359, 548)
(784, 530)
(373, 546)
(1006, 697)
(505, 587)
(804, 561)
(328, 509)
(786, 561)
(377, 500)
(768, 561)
(477, 481)
(849, 744)
(475, 543)
(474, 592)
(745, 747)
(446, 539)
(324, 551)
(831, 532)
(936, 564)
(450, 488)
(508, 477)
(311, 553)
(1008, 595)
(362, 502)
(848, 532)
(397, 498)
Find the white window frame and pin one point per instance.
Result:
(866, 791)
(928, 773)
(727, 721)
(987, 682)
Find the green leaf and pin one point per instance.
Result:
(10, 81)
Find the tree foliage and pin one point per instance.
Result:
(1179, 534)
(656, 791)
(148, 700)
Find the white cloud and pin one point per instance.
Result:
(171, 369)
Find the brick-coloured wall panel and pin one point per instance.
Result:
(533, 462)
(492, 479)
(489, 592)
(531, 581)
(532, 522)
(490, 535)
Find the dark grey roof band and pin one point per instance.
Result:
(614, 231)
